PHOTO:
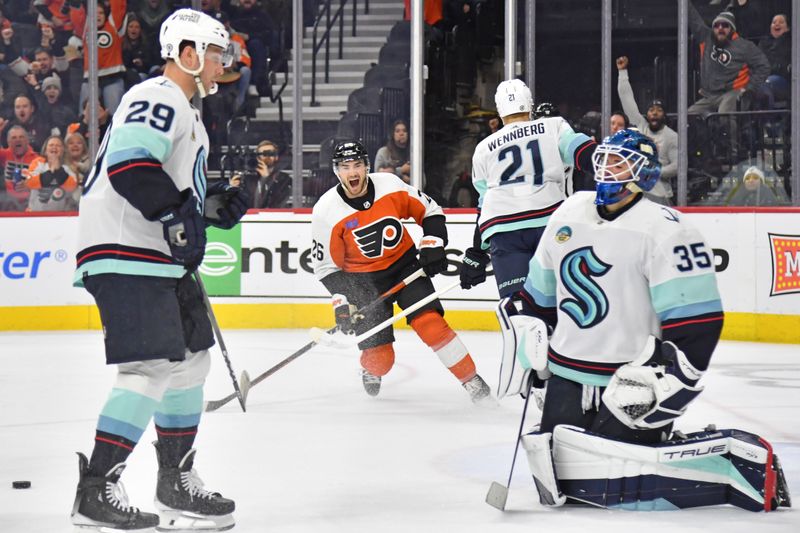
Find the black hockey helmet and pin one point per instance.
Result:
(545, 109)
(349, 151)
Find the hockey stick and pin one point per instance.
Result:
(247, 383)
(326, 337)
(498, 494)
(238, 392)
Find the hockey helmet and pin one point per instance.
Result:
(640, 155)
(545, 109)
(349, 151)
(200, 29)
(513, 96)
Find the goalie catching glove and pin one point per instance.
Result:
(345, 314)
(525, 343)
(655, 389)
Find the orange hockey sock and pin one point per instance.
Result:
(436, 333)
(378, 360)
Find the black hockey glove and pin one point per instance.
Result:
(432, 258)
(344, 313)
(185, 231)
(225, 205)
(473, 267)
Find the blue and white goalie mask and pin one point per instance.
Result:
(624, 163)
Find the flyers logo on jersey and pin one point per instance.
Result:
(383, 234)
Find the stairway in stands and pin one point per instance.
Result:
(346, 74)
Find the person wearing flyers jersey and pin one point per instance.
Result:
(361, 249)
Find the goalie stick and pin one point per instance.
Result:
(237, 391)
(247, 383)
(498, 494)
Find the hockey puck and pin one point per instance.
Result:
(21, 484)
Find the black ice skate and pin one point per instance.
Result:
(372, 384)
(183, 503)
(477, 388)
(102, 505)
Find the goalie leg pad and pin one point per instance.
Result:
(540, 459)
(702, 469)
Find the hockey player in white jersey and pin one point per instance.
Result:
(519, 173)
(142, 225)
(628, 289)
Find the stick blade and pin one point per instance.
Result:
(497, 496)
(244, 385)
(321, 336)
(213, 405)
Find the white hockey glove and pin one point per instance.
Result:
(655, 389)
(524, 349)
(345, 313)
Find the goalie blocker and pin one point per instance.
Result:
(710, 467)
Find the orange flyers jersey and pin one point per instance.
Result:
(372, 237)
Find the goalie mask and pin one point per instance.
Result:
(201, 30)
(624, 163)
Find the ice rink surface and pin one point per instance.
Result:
(315, 454)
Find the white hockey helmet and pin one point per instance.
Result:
(200, 29)
(513, 96)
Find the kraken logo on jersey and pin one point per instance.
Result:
(590, 304)
(385, 233)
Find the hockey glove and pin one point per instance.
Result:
(473, 267)
(225, 205)
(185, 231)
(345, 315)
(655, 389)
(525, 341)
(432, 258)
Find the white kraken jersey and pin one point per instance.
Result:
(616, 282)
(372, 237)
(519, 172)
(155, 126)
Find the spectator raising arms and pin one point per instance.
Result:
(653, 124)
(50, 181)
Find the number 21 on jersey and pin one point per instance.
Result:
(516, 157)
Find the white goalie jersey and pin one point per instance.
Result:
(615, 282)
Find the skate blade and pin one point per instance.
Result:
(87, 528)
(183, 521)
(497, 496)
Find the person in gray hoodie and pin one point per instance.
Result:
(653, 124)
(729, 65)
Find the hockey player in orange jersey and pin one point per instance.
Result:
(361, 250)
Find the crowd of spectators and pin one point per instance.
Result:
(44, 90)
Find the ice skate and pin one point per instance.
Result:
(101, 503)
(478, 390)
(182, 502)
(372, 384)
